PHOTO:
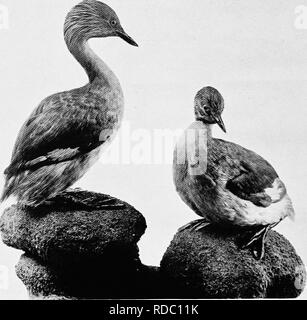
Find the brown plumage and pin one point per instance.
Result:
(225, 183)
(66, 132)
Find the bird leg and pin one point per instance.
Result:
(195, 225)
(257, 241)
(75, 198)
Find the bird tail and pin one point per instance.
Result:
(290, 209)
(10, 185)
(281, 199)
(6, 192)
(32, 188)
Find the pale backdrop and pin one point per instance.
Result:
(250, 50)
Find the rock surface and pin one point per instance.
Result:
(81, 246)
(44, 282)
(84, 245)
(79, 228)
(208, 264)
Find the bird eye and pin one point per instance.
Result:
(113, 23)
(207, 109)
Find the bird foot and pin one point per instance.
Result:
(256, 242)
(106, 204)
(74, 198)
(195, 225)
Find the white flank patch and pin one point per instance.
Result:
(277, 191)
(264, 216)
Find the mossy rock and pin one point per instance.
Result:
(94, 282)
(78, 229)
(209, 264)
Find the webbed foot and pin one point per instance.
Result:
(256, 241)
(195, 225)
(72, 198)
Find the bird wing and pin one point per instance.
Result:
(257, 181)
(56, 132)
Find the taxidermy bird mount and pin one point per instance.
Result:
(64, 135)
(229, 186)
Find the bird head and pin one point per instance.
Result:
(93, 19)
(209, 106)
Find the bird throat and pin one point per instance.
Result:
(197, 138)
(94, 66)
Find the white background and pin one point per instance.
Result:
(249, 50)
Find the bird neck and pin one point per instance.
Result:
(94, 66)
(205, 128)
(196, 142)
(209, 130)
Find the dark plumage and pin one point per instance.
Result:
(65, 134)
(224, 182)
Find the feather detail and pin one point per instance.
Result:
(246, 190)
(64, 135)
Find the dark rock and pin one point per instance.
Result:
(209, 264)
(40, 281)
(150, 284)
(77, 230)
(43, 282)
